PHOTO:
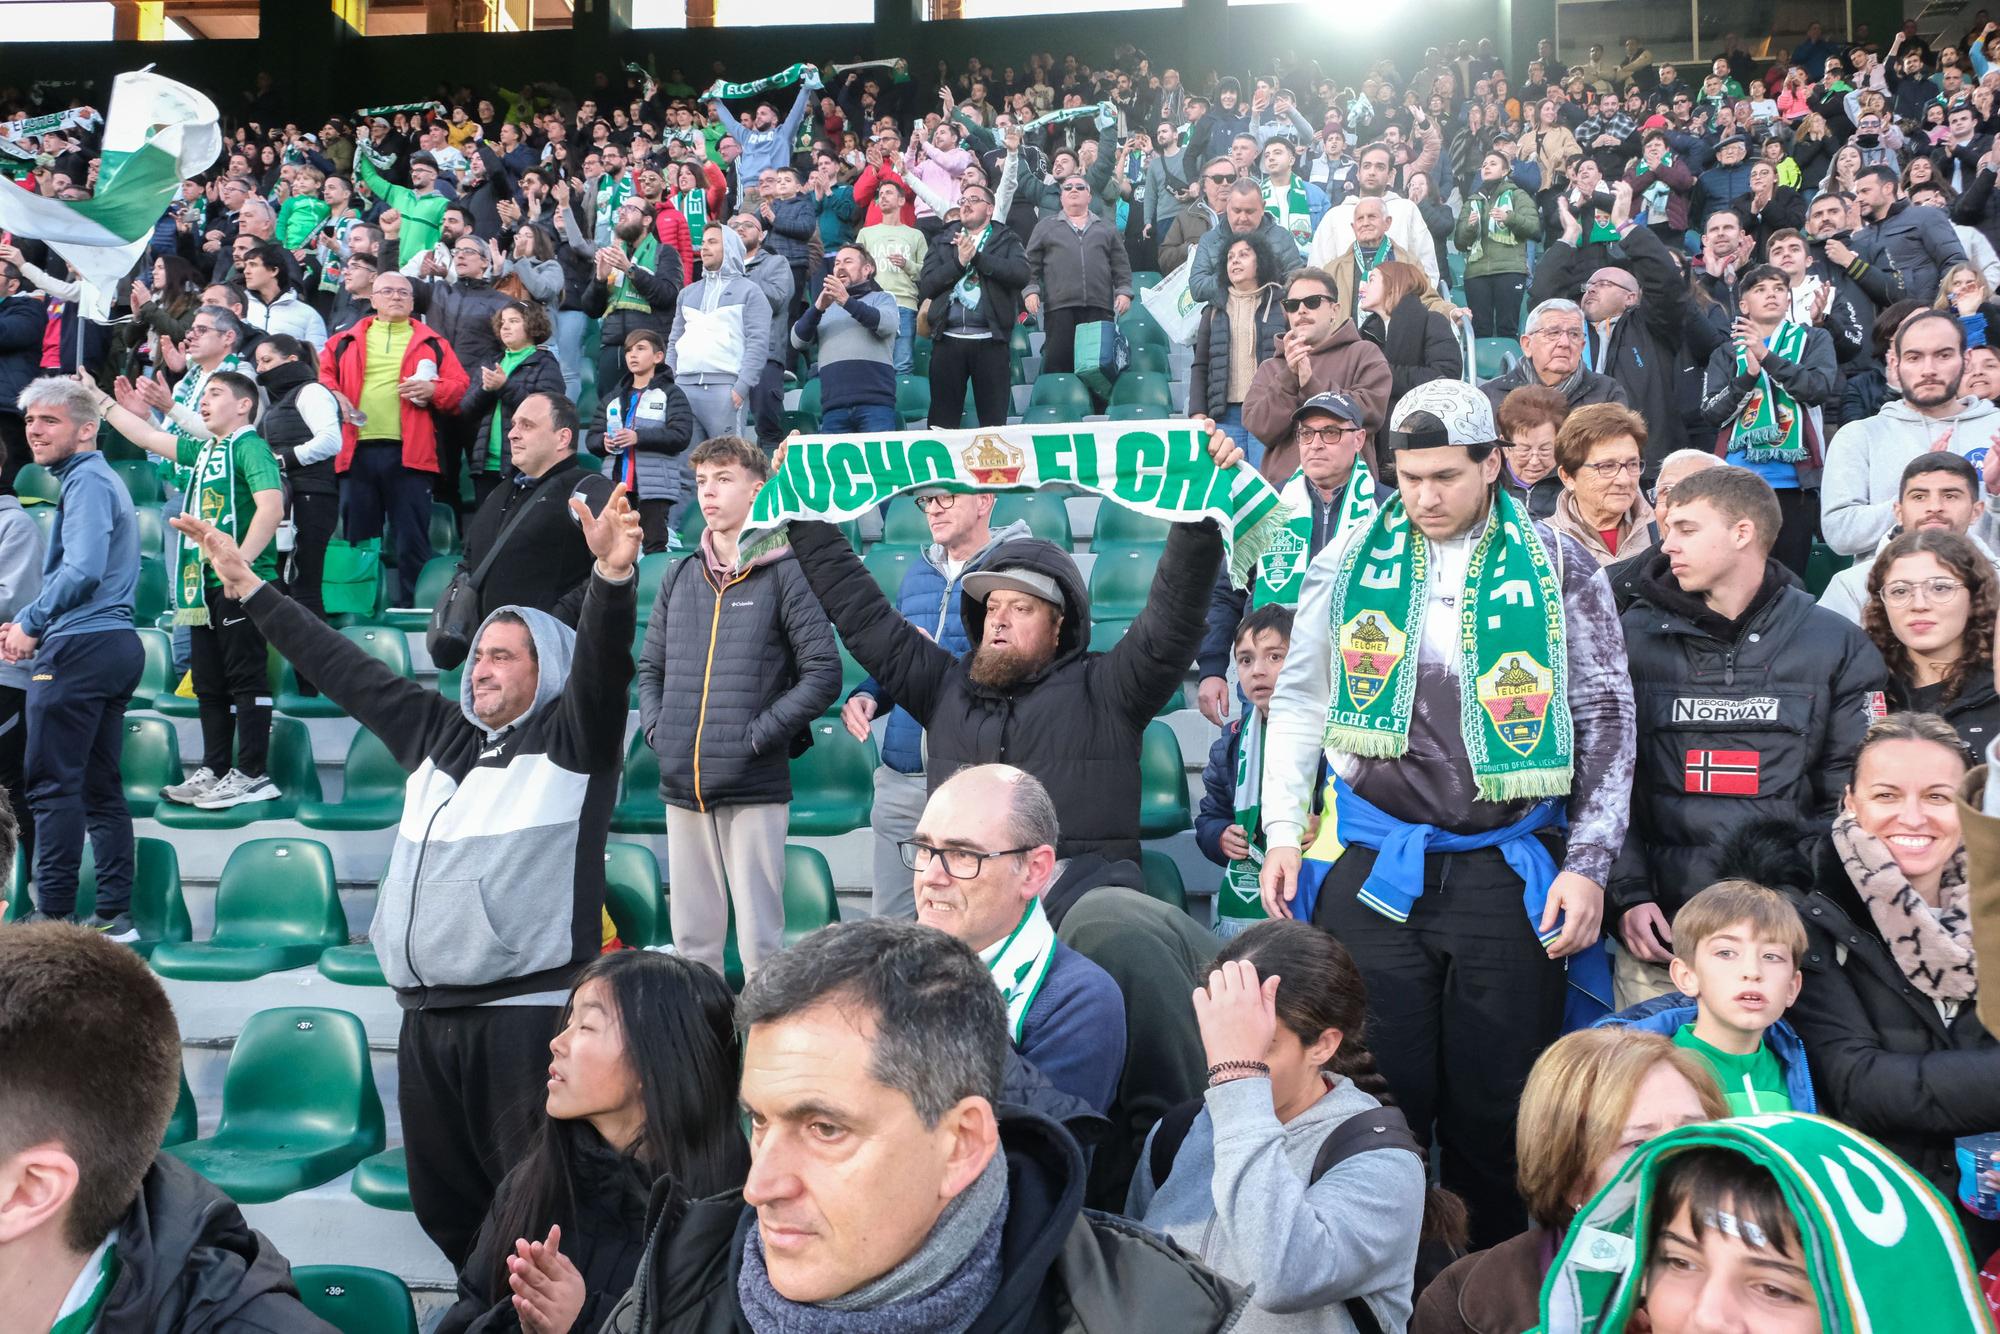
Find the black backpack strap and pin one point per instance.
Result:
(1381, 1128)
(1167, 1137)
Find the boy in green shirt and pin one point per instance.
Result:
(233, 482)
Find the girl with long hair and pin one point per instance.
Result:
(1931, 601)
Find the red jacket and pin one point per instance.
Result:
(864, 195)
(671, 227)
(341, 364)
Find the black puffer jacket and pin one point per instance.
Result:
(1418, 344)
(1764, 713)
(1077, 723)
(541, 373)
(463, 312)
(1208, 376)
(1062, 1270)
(545, 559)
(189, 1264)
(1974, 711)
(730, 676)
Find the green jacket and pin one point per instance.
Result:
(423, 215)
(1489, 251)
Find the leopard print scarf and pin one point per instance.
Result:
(1933, 946)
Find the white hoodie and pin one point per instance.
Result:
(1864, 468)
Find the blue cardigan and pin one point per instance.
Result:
(1075, 1034)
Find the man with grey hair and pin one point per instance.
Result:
(984, 853)
(887, 1191)
(1552, 344)
(87, 662)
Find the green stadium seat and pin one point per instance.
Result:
(889, 563)
(1118, 525)
(385, 593)
(904, 525)
(653, 568)
(432, 581)
(805, 417)
(1058, 390)
(15, 902)
(44, 519)
(156, 677)
(371, 789)
(443, 530)
(151, 760)
(385, 644)
(833, 783)
(810, 903)
(1046, 515)
(913, 399)
(352, 965)
(1494, 356)
(34, 482)
(142, 480)
(152, 530)
(1163, 877)
(639, 809)
(1120, 580)
(185, 1123)
(383, 1180)
(159, 909)
(1105, 635)
(1020, 343)
(448, 681)
(1136, 412)
(1163, 787)
(299, 1106)
(150, 601)
(1821, 565)
(1148, 387)
(852, 674)
(291, 765)
(355, 1300)
(1044, 414)
(1150, 358)
(920, 356)
(1144, 278)
(1141, 328)
(276, 907)
(633, 894)
(1017, 372)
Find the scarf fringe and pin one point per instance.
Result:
(1369, 745)
(1525, 784)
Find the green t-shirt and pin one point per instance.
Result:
(256, 469)
(1751, 1084)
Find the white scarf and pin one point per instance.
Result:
(1020, 964)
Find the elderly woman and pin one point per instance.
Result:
(1530, 417)
(1599, 453)
(1592, 1099)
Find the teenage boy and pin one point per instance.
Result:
(1737, 947)
(234, 484)
(738, 660)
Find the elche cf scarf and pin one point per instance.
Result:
(1020, 965)
(1512, 670)
(212, 487)
(1770, 426)
(1296, 213)
(1157, 468)
(784, 78)
(1240, 897)
(624, 296)
(1281, 575)
(1069, 113)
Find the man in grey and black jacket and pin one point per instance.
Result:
(1914, 245)
(1078, 273)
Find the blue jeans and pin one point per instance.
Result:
(1232, 426)
(860, 417)
(571, 325)
(906, 339)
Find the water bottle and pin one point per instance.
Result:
(427, 369)
(614, 421)
(1977, 1156)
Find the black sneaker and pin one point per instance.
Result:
(118, 928)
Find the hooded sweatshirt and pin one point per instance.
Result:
(1864, 468)
(496, 822)
(1349, 364)
(728, 318)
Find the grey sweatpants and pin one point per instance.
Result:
(714, 414)
(899, 804)
(731, 855)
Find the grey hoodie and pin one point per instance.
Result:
(20, 575)
(1865, 462)
(1237, 1197)
(771, 273)
(729, 287)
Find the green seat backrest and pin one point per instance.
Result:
(34, 482)
(913, 397)
(141, 478)
(1163, 877)
(1163, 788)
(1144, 278)
(809, 403)
(1494, 356)
(810, 900)
(920, 356)
(1151, 358)
(444, 527)
(889, 563)
(153, 592)
(835, 763)
(642, 769)
(279, 891)
(632, 892)
(355, 1300)
(185, 1123)
(1119, 525)
(300, 1071)
(156, 677)
(1143, 387)
(159, 908)
(1120, 580)
(1047, 515)
(1136, 412)
(852, 673)
(1061, 390)
(291, 761)
(152, 530)
(370, 770)
(1105, 634)
(903, 524)
(1044, 414)
(1140, 327)
(44, 519)
(653, 569)
(434, 579)
(385, 644)
(1020, 342)
(152, 756)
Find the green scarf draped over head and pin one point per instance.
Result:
(784, 78)
(624, 296)
(1157, 468)
(1881, 1249)
(1281, 575)
(1770, 426)
(212, 486)
(1512, 670)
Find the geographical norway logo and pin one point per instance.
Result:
(1515, 694)
(1370, 650)
(1695, 709)
(1730, 773)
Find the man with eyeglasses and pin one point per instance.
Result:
(1552, 344)
(461, 305)
(1320, 352)
(972, 276)
(982, 856)
(634, 285)
(1199, 214)
(1078, 273)
(1753, 703)
(1941, 492)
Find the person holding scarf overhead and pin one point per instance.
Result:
(1764, 391)
(1455, 662)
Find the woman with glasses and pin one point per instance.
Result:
(1530, 418)
(1236, 335)
(1931, 602)
(1598, 457)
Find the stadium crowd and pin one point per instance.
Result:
(1598, 800)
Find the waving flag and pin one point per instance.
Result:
(157, 134)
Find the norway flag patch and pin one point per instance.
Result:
(1730, 773)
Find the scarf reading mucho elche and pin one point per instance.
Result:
(1770, 426)
(1512, 672)
(1882, 1251)
(1157, 468)
(1020, 965)
(624, 296)
(212, 485)
(1296, 215)
(1281, 575)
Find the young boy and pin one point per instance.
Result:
(738, 660)
(643, 439)
(1229, 828)
(1736, 958)
(233, 482)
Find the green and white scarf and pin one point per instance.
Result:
(1067, 114)
(1364, 263)
(1486, 226)
(968, 290)
(212, 489)
(1239, 897)
(624, 296)
(1882, 1249)
(1513, 668)
(187, 394)
(1020, 965)
(1770, 426)
(1156, 468)
(1296, 214)
(406, 108)
(693, 205)
(612, 191)
(83, 1319)
(36, 126)
(784, 78)
(891, 62)
(1281, 575)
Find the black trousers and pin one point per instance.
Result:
(1798, 512)
(1059, 326)
(77, 695)
(232, 684)
(982, 362)
(470, 1082)
(767, 406)
(315, 517)
(1495, 300)
(13, 766)
(455, 448)
(1461, 1000)
(377, 485)
(655, 523)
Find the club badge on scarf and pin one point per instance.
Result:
(1281, 575)
(1240, 897)
(1770, 426)
(1157, 468)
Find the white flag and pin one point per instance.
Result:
(1168, 302)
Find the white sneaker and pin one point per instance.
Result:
(235, 789)
(202, 782)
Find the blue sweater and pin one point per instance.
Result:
(1667, 1014)
(91, 571)
(1075, 1034)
